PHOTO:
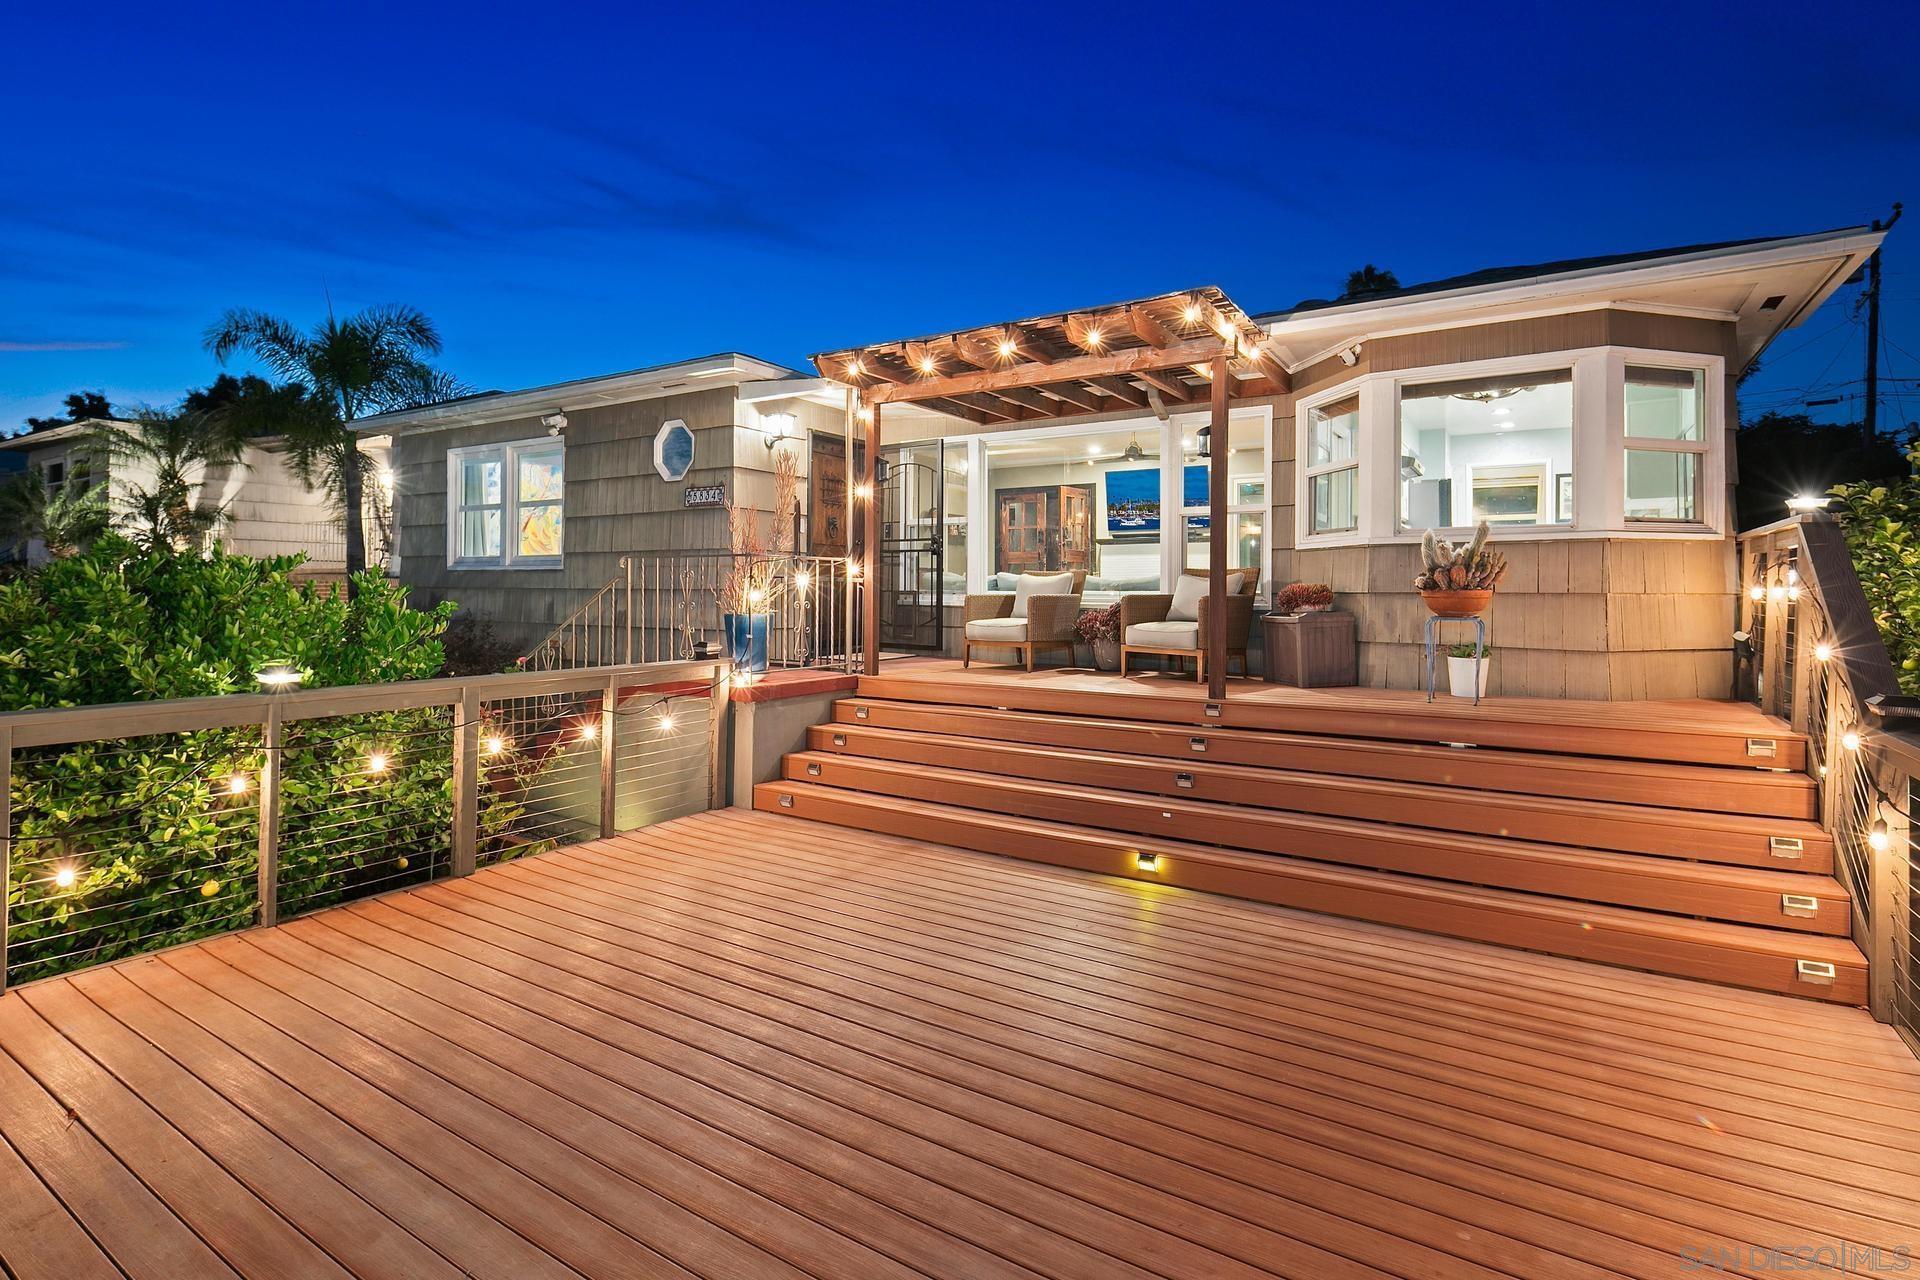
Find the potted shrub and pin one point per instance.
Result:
(1458, 582)
(1100, 628)
(1304, 597)
(1460, 671)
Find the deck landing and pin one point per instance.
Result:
(741, 1046)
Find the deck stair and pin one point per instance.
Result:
(1687, 846)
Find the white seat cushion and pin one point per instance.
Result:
(1039, 584)
(1164, 635)
(1005, 630)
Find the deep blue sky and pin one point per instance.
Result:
(572, 190)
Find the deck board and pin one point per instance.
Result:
(738, 1046)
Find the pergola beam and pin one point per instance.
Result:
(1137, 362)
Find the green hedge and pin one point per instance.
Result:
(1882, 525)
(160, 844)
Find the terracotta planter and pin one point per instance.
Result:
(1458, 604)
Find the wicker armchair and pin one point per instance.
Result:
(1049, 623)
(1145, 628)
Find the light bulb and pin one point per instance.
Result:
(802, 580)
(494, 746)
(1093, 337)
(1007, 348)
(377, 762)
(1756, 592)
(1877, 838)
(1191, 313)
(1850, 740)
(666, 722)
(237, 784)
(1823, 651)
(589, 731)
(64, 876)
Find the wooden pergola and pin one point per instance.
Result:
(1164, 352)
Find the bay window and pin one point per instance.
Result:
(505, 505)
(1333, 466)
(1665, 441)
(1498, 449)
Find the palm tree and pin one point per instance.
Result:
(369, 362)
(1369, 280)
(166, 461)
(66, 519)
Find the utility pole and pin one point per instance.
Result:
(1870, 423)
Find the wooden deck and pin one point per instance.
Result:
(742, 1046)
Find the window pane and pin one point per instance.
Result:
(1664, 404)
(542, 477)
(1332, 500)
(1243, 542)
(479, 481)
(1496, 449)
(540, 530)
(1077, 502)
(480, 535)
(1661, 485)
(1246, 466)
(1332, 432)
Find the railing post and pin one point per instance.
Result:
(466, 782)
(609, 704)
(626, 567)
(272, 742)
(6, 841)
(717, 703)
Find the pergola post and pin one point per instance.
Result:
(870, 573)
(1217, 532)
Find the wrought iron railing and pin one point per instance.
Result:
(128, 828)
(1815, 658)
(797, 611)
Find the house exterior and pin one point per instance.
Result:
(1586, 409)
(268, 511)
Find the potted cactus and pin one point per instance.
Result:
(1458, 581)
(1466, 677)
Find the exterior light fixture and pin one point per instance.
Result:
(589, 731)
(666, 722)
(1823, 652)
(494, 746)
(1850, 740)
(1756, 593)
(1007, 349)
(279, 677)
(1806, 502)
(1145, 861)
(1776, 592)
(1877, 839)
(64, 875)
(1203, 438)
(377, 762)
(863, 491)
(1191, 313)
(238, 784)
(777, 427)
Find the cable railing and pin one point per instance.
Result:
(128, 828)
(1814, 657)
(758, 612)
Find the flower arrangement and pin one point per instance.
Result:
(1096, 625)
(1473, 566)
(1303, 597)
(754, 582)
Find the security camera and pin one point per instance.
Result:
(555, 423)
(1351, 356)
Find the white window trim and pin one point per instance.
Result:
(1356, 464)
(1711, 430)
(509, 452)
(1599, 448)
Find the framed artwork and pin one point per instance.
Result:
(1563, 498)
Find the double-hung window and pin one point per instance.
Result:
(505, 507)
(1333, 466)
(1666, 444)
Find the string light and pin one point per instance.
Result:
(863, 491)
(802, 580)
(1877, 839)
(276, 677)
(666, 722)
(1823, 651)
(1776, 593)
(1850, 740)
(1007, 349)
(755, 596)
(64, 876)
(1191, 313)
(377, 762)
(494, 746)
(1094, 337)
(1756, 592)
(855, 368)
(589, 731)
(928, 365)
(238, 784)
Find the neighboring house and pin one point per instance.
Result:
(1585, 408)
(268, 512)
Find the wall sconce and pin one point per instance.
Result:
(777, 427)
(1203, 438)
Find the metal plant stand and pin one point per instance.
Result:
(1479, 647)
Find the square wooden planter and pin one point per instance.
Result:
(1312, 650)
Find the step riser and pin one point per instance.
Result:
(1388, 720)
(1475, 812)
(1664, 885)
(1284, 882)
(1750, 792)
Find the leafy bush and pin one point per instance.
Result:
(1882, 526)
(159, 834)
